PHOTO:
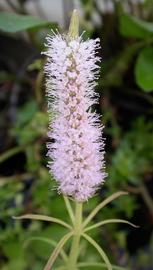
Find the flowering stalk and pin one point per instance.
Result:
(77, 159)
(76, 151)
(74, 252)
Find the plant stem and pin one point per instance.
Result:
(147, 198)
(142, 189)
(38, 86)
(9, 153)
(74, 252)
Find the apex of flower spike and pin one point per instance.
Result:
(74, 25)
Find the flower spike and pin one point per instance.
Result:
(76, 145)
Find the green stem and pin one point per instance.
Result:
(74, 252)
(147, 198)
(69, 209)
(9, 153)
(38, 86)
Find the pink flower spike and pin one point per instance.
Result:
(76, 146)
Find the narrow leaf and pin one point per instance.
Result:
(101, 265)
(110, 221)
(11, 22)
(11, 152)
(44, 218)
(48, 241)
(57, 251)
(99, 249)
(61, 268)
(102, 204)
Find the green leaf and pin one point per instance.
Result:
(35, 65)
(48, 241)
(26, 113)
(61, 268)
(144, 69)
(11, 22)
(5, 76)
(101, 265)
(9, 153)
(102, 204)
(44, 218)
(12, 249)
(17, 264)
(107, 221)
(57, 250)
(99, 249)
(131, 26)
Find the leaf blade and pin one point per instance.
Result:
(84, 264)
(110, 221)
(102, 204)
(48, 241)
(144, 69)
(12, 23)
(131, 26)
(44, 218)
(57, 251)
(99, 249)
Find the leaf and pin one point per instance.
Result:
(101, 265)
(48, 241)
(44, 218)
(99, 249)
(13, 250)
(26, 113)
(9, 153)
(11, 22)
(17, 264)
(144, 69)
(57, 251)
(131, 26)
(61, 268)
(35, 65)
(110, 221)
(102, 204)
(5, 76)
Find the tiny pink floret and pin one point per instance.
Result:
(76, 147)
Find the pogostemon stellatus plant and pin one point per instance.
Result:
(75, 150)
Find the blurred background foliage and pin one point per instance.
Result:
(125, 28)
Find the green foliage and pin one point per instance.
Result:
(12, 23)
(144, 69)
(32, 130)
(133, 158)
(77, 227)
(131, 162)
(131, 26)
